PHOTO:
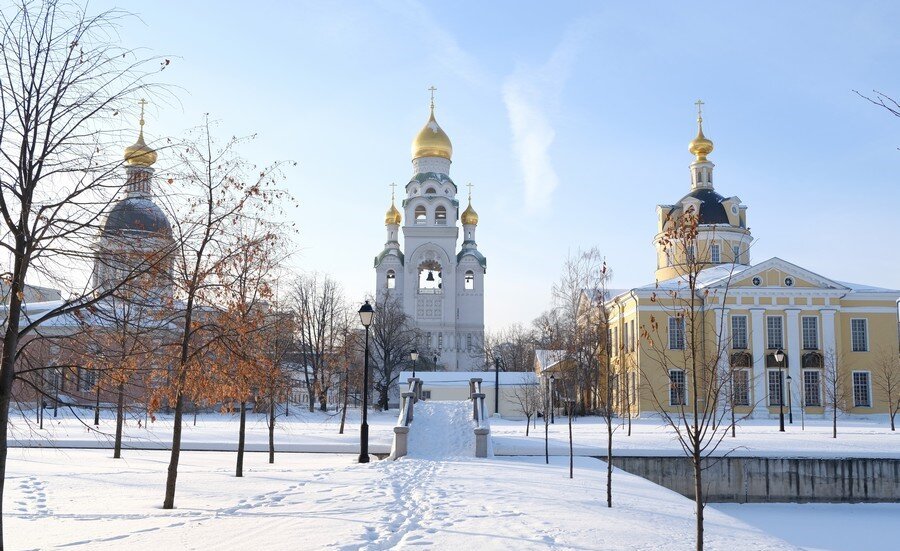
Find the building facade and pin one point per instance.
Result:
(837, 338)
(439, 282)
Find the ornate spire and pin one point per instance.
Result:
(140, 154)
(469, 216)
(700, 146)
(392, 216)
(432, 141)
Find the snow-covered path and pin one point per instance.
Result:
(442, 430)
(83, 499)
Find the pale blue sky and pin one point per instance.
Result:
(571, 119)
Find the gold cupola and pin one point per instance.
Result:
(432, 141)
(392, 216)
(469, 216)
(701, 146)
(139, 154)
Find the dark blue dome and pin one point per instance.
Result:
(712, 211)
(134, 214)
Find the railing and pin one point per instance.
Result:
(408, 400)
(482, 427)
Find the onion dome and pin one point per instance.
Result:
(392, 216)
(432, 141)
(139, 153)
(701, 146)
(137, 217)
(469, 216)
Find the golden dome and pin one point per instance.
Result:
(701, 146)
(139, 153)
(432, 141)
(392, 216)
(469, 216)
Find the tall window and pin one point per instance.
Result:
(714, 254)
(861, 394)
(736, 251)
(88, 379)
(776, 394)
(859, 335)
(625, 339)
(739, 332)
(740, 384)
(440, 341)
(391, 279)
(469, 342)
(470, 280)
(421, 214)
(633, 337)
(676, 388)
(615, 341)
(775, 332)
(676, 333)
(812, 388)
(690, 253)
(440, 215)
(810, 333)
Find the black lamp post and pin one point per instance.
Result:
(366, 313)
(790, 409)
(414, 356)
(779, 358)
(496, 386)
(552, 414)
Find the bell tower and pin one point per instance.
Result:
(439, 283)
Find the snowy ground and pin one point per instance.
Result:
(83, 499)
(318, 432)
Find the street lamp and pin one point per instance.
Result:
(414, 356)
(779, 358)
(366, 313)
(552, 416)
(497, 386)
(790, 409)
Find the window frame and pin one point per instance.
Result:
(807, 385)
(769, 342)
(780, 380)
(745, 373)
(715, 253)
(865, 344)
(815, 333)
(746, 334)
(469, 280)
(673, 388)
(683, 340)
(868, 377)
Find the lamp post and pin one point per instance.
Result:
(366, 313)
(552, 415)
(790, 409)
(497, 386)
(779, 358)
(414, 356)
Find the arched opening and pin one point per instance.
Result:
(391, 279)
(430, 277)
(440, 215)
(470, 280)
(430, 191)
(421, 214)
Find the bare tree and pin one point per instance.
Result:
(837, 389)
(513, 346)
(887, 379)
(65, 78)
(392, 339)
(527, 395)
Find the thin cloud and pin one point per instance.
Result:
(531, 95)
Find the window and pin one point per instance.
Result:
(776, 385)
(676, 333)
(861, 397)
(633, 337)
(615, 341)
(677, 388)
(625, 340)
(812, 388)
(428, 339)
(714, 254)
(812, 359)
(775, 332)
(430, 191)
(740, 386)
(391, 279)
(440, 341)
(469, 342)
(739, 332)
(470, 280)
(690, 253)
(88, 379)
(440, 215)
(421, 215)
(810, 333)
(736, 251)
(669, 258)
(859, 336)
(426, 395)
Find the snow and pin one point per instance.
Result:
(824, 526)
(442, 430)
(84, 499)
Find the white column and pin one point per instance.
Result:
(828, 341)
(758, 344)
(793, 354)
(723, 347)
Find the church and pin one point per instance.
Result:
(439, 282)
(788, 338)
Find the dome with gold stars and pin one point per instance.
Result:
(432, 141)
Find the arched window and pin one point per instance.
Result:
(391, 279)
(430, 277)
(470, 280)
(421, 215)
(430, 191)
(440, 215)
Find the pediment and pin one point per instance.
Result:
(776, 273)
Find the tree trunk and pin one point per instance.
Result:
(346, 401)
(97, 404)
(120, 419)
(272, 429)
(834, 422)
(312, 399)
(172, 475)
(527, 424)
(893, 414)
(7, 364)
(571, 449)
(698, 496)
(242, 433)
(609, 463)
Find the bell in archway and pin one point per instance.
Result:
(430, 276)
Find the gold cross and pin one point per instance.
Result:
(432, 90)
(393, 187)
(699, 103)
(470, 186)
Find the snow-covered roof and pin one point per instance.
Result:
(548, 358)
(461, 378)
(859, 288)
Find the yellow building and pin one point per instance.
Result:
(836, 337)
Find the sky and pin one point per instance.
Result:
(570, 119)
